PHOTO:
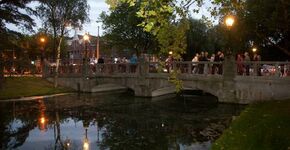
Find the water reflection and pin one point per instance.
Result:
(116, 121)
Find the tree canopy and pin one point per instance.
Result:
(262, 23)
(13, 12)
(267, 23)
(122, 29)
(58, 15)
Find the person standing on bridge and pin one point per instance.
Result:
(247, 63)
(195, 60)
(133, 62)
(258, 67)
(169, 63)
(100, 65)
(240, 64)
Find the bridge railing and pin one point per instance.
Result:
(188, 67)
(263, 68)
(252, 68)
(79, 69)
(113, 68)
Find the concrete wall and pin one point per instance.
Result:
(82, 84)
(243, 90)
(253, 89)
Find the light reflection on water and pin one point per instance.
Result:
(113, 121)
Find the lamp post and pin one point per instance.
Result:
(229, 67)
(85, 59)
(86, 142)
(229, 21)
(42, 41)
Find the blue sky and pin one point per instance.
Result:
(96, 7)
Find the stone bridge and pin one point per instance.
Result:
(265, 81)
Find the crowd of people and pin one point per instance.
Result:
(202, 63)
(243, 65)
(212, 68)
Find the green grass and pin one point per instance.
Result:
(17, 87)
(263, 126)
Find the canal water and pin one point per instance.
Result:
(117, 121)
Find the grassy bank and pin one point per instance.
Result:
(264, 126)
(16, 87)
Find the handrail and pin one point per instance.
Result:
(250, 68)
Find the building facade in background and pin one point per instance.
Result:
(78, 48)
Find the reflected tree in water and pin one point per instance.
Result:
(15, 123)
(128, 123)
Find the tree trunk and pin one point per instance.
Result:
(57, 62)
(1, 71)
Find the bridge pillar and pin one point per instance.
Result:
(142, 87)
(229, 74)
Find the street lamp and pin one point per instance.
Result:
(230, 21)
(42, 41)
(86, 142)
(86, 38)
(254, 49)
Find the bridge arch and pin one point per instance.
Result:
(213, 92)
(172, 90)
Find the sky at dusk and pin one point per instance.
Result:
(96, 7)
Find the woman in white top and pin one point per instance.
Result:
(195, 59)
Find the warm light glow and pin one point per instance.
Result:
(230, 21)
(86, 37)
(254, 49)
(170, 52)
(42, 40)
(86, 145)
(42, 120)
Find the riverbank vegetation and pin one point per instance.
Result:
(17, 87)
(263, 126)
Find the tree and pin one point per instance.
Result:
(197, 37)
(57, 16)
(11, 11)
(260, 23)
(161, 15)
(172, 37)
(122, 29)
(268, 23)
